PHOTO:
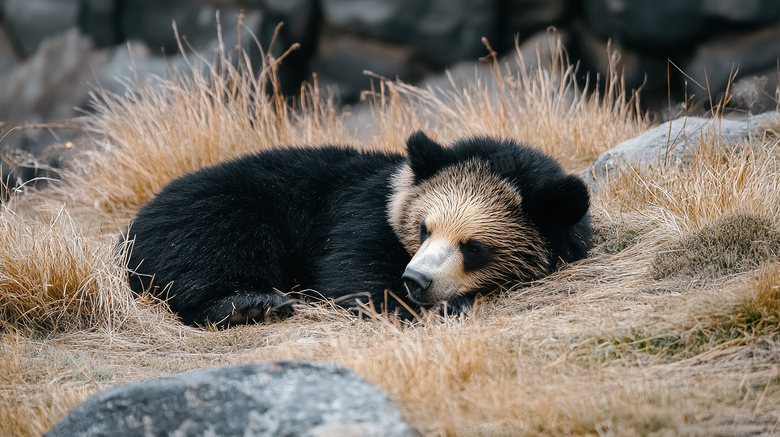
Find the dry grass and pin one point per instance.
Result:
(599, 348)
(160, 129)
(55, 278)
(720, 180)
(543, 107)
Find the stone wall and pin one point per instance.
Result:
(411, 39)
(51, 51)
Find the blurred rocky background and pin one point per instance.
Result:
(680, 52)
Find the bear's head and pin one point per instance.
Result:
(479, 214)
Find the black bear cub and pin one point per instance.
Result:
(238, 241)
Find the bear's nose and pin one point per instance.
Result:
(416, 282)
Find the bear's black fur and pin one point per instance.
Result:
(237, 237)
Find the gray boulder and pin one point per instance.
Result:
(757, 93)
(465, 74)
(135, 59)
(448, 86)
(301, 20)
(639, 68)
(743, 11)
(7, 55)
(673, 141)
(342, 58)
(654, 24)
(442, 31)
(751, 52)
(99, 20)
(32, 21)
(282, 398)
(152, 23)
(48, 85)
(299, 17)
(664, 24)
(525, 17)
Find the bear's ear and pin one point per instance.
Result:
(426, 156)
(557, 204)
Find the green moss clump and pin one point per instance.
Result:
(731, 244)
(613, 238)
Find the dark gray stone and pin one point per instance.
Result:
(31, 21)
(452, 30)
(673, 141)
(8, 57)
(206, 42)
(135, 59)
(743, 11)
(342, 59)
(653, 24)
(49, 84)
(151, 22)
(526, 17)
(100, 20)
(757, 93)
(386, 20)
(298, 16)
(283, 398)
(443, 31)
(19, 170)
(463, 75)
(197, 25)
(302, 26)
(752, 52)
(639, 68)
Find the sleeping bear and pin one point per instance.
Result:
(237, 242)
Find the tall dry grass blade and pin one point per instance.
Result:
(56, 278)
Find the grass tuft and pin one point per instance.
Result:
(761, 308)
(612, 237)
(55, 278)
(731, 244)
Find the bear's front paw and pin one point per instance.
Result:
(243, 308)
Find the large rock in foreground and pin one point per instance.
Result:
(283, 398)
(672, 141)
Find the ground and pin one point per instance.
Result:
(631, 341)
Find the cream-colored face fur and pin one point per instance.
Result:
(460, 205)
